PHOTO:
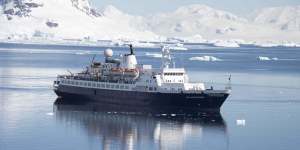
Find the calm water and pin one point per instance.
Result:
(262, 112)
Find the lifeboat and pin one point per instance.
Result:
(131, 73)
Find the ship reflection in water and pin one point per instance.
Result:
(135, 130)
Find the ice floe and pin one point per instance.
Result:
(179, 47)
(205, 58)
(154, 55)
(50, 114)
(264, 58)
(82, 53)
(241, 122)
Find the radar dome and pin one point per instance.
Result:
(108, 52)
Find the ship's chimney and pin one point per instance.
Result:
(131, 49)
(129, 60)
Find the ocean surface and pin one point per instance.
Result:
(262, 112)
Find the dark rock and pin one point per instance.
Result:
(9, 12)
(51, 24)
(32, 5)
(95, 13)
(9, 17)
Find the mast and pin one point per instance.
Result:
(166, 57)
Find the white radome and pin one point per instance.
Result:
(108, 52)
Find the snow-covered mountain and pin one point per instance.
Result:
(213, 24)
(283, 18)
(192, 19)
(65, 19)
(77, 19)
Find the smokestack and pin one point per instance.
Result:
(131, 49)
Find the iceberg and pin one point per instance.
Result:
(154, 55)
(179, 47)
(205, 58)
(241, 122)
(50, 114)
(264, 58)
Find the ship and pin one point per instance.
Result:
(122, 82)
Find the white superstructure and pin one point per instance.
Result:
(126, 74)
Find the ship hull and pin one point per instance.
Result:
(135, 99)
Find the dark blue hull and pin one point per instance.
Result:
(135, 99)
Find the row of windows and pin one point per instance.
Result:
(173, 74)
(150, 81)
(170, 81)
(173, 89)
(99, 85)
(152, 88)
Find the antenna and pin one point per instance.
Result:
(93, 58)
(70, 72)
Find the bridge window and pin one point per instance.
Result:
(173, 74)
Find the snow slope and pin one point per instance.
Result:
(76, 19)
(70, 19)
(212, 24)
(283, 18)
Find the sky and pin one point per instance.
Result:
(144, 7)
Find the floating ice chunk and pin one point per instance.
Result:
(154, 55)
(205, 58)
(263, 58)
(50, 114)
(241, 122)
(179, 48)
(79, 53)
(83, 53)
